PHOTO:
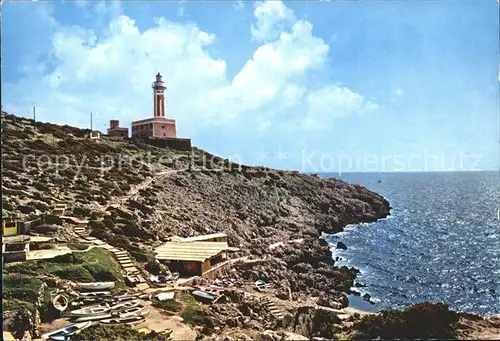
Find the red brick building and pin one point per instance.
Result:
(157, 126)
(117, 132)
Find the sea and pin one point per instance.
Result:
(441, 242)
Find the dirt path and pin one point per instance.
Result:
(120, 201)
(158, 322)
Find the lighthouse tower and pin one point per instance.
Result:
(158, 126)
(159, 96)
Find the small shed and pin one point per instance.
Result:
(192, 257)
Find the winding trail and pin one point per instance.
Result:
(120, 201)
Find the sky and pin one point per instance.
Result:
(330, 86)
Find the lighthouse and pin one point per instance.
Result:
(159, 96)
(158, 126)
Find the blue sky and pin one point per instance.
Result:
(314, 86)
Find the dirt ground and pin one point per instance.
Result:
(158, 322)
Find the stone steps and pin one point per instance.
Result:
(276, 311)
(127, 264)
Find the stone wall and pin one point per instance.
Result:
(178, 144)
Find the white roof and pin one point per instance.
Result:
(204, 237)
(190, 251)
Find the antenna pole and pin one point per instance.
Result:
(34, 113)
(91, 121)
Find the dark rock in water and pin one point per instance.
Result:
(355, 293)
(359, 285)
(337, 258)
(366, 297)
(341, 246)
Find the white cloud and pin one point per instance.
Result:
(399, 92)
(109, 72)
(272, 18)
(331, 102)
(292, 94)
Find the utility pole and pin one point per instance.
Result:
(34, 114)
(91, 122)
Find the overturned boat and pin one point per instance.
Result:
(63, 333)
(95, 293)
(260, 285)
(205, 296)
(95, 286)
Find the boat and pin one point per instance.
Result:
(135, 311)
(95, 294)
(125, 305)
(96, 285)
(165, 296)
(204, 295)
(92, 310)
(93, 318)
(124, 298)
(60, 302)
(260, 285)
(131, 321)
(63, 333)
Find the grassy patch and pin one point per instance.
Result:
(194, 315)
(94, 265)
(15, 304)
(170, 305)
(104, 333)
(78, 246)
(21, 287)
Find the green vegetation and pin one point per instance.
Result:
(78, 246)
(21, 287)
(112, 333)
(170, 305)
(195, 315)
(153, 266)
(421, 321)
(194, 312)
(94, 265)
(16, 304)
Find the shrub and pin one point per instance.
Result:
(71, 272)
(139, 256)
(21, 287)
(95, 215)
(81, 211)
(153, 266)
(170, 305)
(420, 321)
(111, 333)
(195, 315)
(100, 272)
(78, 246)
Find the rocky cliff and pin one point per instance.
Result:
(188, 193)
